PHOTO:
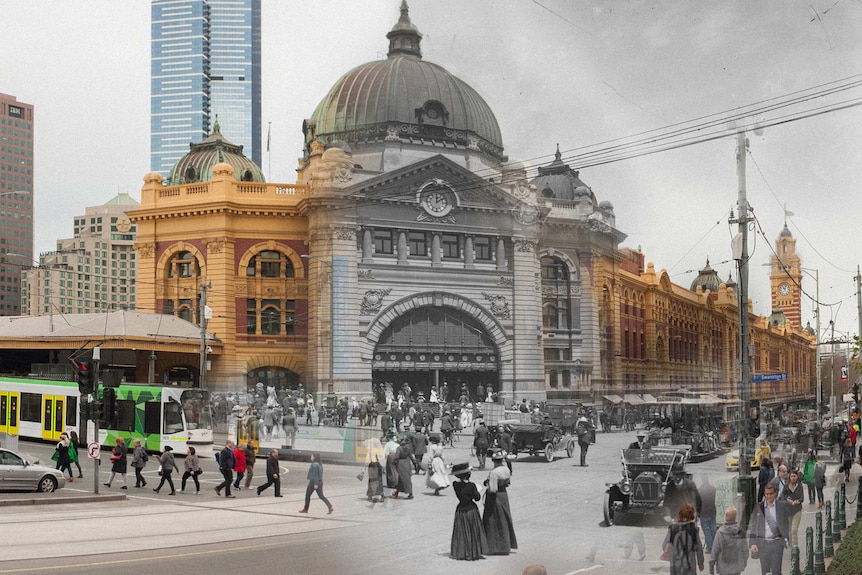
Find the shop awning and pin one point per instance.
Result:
(614, 398)
(649, 398)
(633, 399)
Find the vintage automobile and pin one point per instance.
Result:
(540, 439)
(651, 479)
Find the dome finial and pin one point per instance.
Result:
(404, 37)
(557, 156)
(216, 127)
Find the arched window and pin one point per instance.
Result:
(183, 265)
(270, 264)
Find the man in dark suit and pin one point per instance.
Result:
(770, 529)
(272, 477)
(641, 443)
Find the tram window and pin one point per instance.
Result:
(173, 418)
(71, 411)
(31, 407)
(126, 415)
(152, 417)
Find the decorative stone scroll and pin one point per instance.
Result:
(373, 301)
(345, 234)
(365, 274)
(145, 251)
(499, 305)
(525, 246)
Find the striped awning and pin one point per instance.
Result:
(614, 398)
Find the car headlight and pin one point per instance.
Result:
(663, 488)
(626, 486)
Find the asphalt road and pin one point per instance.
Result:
(557, 509)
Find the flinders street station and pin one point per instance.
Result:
(411, 249)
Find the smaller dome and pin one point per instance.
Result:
(809, 330)
(199, 164)
(557, 180)
(606, 205)
(777, 318)
(785, 233)
(707, 279)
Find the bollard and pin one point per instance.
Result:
(842, 515)
(819, 563)
(859, 499)
(836, 525)
(794, 561)
(828, 548)
(809, 551)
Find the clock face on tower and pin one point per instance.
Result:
(784, 289)
(436, 198)
(436, 203)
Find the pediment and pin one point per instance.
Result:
(402, 185)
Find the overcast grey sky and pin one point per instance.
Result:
(553, 71)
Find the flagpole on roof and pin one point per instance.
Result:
(268, 153)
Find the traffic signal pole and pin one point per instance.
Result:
(97, 356)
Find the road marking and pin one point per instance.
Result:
(585, 569)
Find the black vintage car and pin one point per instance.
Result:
(540, 439)
(651, 479)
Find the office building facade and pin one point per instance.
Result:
(16, 199)
(205, 64)
(92, 272)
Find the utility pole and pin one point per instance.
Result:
(859, 313)
(202, 381)
(740, 253)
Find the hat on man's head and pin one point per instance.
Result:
(641, 434)
(460, 469)
(496, 454)
(168, 448)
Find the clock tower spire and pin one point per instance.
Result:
(786, 278)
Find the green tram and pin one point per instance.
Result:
(157, 415)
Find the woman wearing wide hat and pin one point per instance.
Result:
(468, 535)
(497, 517)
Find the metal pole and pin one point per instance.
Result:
(745, 480)
(331, 387)
(819, 564)
(817, 357)
(202, 380)
(97, 358)
(832, 375)
(828, 547)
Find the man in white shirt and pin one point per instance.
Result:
(769, 531)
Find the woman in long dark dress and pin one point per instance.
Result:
(404, 466)
(468, 535)
(497, 518)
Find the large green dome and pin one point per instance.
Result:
(405, 98)
(197, 165)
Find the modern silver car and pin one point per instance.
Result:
(18, 474)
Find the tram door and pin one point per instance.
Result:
(9, 412)
(53, 416)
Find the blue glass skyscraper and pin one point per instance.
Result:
(205, 64)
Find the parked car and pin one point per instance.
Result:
(18, 474)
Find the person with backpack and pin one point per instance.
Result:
(729, 548)
(847, 455)
(682, 544)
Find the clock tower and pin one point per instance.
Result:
(786, 279)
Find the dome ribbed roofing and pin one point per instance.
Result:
(405, 98)
(557, 180)
(197, 165)
(707, 279)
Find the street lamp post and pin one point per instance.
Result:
(331, 385)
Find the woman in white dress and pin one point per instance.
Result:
(437, 475)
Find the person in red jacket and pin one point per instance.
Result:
(239, 465)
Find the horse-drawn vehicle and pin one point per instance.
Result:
(651, 479)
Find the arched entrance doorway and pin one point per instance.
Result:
(281, 378)
(432, 345)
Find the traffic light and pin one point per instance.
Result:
(84, 376)
(109, 407)
(96, 410)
